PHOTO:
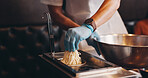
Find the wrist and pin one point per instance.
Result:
(91, 22)
(89, 27)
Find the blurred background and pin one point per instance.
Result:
(23, 35)
(22, 12)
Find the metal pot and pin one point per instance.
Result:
(126, 50)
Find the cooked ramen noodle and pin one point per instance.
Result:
(71, 58)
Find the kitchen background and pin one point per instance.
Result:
(23, 35)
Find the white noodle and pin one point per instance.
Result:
(71, 58)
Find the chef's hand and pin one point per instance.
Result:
(75, 35)
(93, 40)
(95, 36)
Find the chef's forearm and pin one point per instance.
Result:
(106, 11)
(60, 19)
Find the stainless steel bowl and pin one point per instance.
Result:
(126, 50)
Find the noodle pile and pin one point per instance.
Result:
(71, 58)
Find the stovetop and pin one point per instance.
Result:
(91, 66)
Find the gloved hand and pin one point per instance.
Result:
(92, 41)
(75, 35)
(95, 36)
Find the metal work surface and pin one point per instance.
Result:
(91, 67)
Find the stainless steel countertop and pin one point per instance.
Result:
(94, 71)
(93, 52)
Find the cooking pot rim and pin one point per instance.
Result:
(133, 46)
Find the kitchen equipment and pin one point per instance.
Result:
(126, 50)
(50, 33)
(91, 67)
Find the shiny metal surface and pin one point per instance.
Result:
(126, 50)
(92, 67)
